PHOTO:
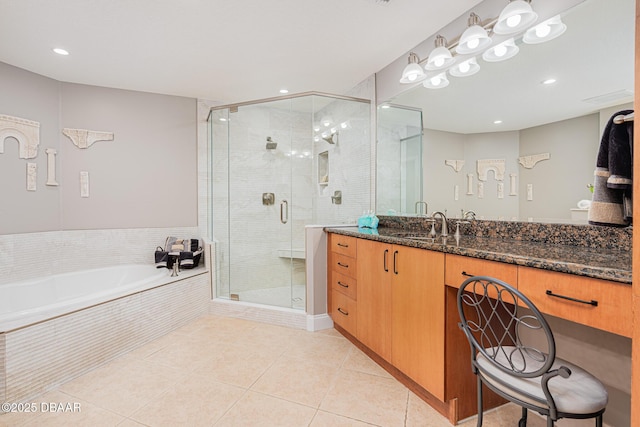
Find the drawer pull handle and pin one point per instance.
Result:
(342, 284)
(343, 265)
(464, 273)
(343, 245)
(346, 313)
(592, 302)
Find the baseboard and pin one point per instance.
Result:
(318, 322)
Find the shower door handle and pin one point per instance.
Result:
(284, 211)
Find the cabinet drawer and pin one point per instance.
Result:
(613, 312)
(343, 265)
(455, 265)
(344, 284)
(344, 245)
(343, 311)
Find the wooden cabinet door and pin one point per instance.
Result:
(374, 270)
(418, 316)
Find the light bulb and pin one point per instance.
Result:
(436, 80)
(344, 125)
(500, 50)
(543, 30)
(514, 21)
(464, 67)
(473, 43)
(412, 76)
(438, 62)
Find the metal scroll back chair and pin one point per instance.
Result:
(513, 353)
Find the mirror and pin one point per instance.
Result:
(593, 64)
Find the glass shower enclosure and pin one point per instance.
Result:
(277, 166)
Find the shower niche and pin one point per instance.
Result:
(272, 147)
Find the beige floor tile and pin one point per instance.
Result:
(236, 365)
(185, 355)
(420, 414)
(297, 380)
(194, 402)
(255, 409)
(319, 347)
(126, 390)
(326, 419)
(130, 423)
(367, 398)
(358, 361)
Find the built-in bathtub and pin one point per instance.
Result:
(56, 328)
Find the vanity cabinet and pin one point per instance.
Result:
(597, 303)
(342, 295)
(401, 309)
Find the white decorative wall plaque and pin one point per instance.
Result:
(51, 166)
(513, 190)
(530, 161)
(31, 176)
(501, 190)
(469, 184)
(27, 132)
(83, 138)
(84, 184)
(529, 192)
(495, 165)
(456, 165)
(456, 192)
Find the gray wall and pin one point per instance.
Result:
(146, 177)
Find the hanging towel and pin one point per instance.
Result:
(611, 201)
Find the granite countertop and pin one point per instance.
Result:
(607, 264)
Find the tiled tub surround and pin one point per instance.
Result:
(598, 252)
(40, 356)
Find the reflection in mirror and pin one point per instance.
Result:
(506, 113)
(399, 161)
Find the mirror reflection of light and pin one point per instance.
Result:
(543, 30)
(464, 67)
(500, 50)
(473, 43)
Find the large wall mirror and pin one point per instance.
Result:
(506, 112)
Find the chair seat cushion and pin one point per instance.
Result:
(581, 393)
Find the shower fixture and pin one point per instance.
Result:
(271, 144)
(330, 139)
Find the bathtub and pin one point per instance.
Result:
(31, 301)
(56, 328)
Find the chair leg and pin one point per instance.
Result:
(599, 421)
(523, 420)
(550, 422)
(479, 394)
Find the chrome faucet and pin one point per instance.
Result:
(418, 211)
(444, 229)
(176, 266)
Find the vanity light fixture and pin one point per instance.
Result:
(474, 39)
(61, 51)
(413, 72)
(440, 57)
(497, 122)
(326, 121)
(515, 17)
(549, 81)
(466, 68)
(501, 52)
(436, 82)
(283, 91)
(545, 31)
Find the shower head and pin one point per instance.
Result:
(271, 144)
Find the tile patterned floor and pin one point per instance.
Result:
(225, 372)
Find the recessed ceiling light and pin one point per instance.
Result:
(61, 51)
(497, 122)
(548, 81)
(284, 91)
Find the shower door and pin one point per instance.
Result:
(268, 168)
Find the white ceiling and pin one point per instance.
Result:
(223, 51)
